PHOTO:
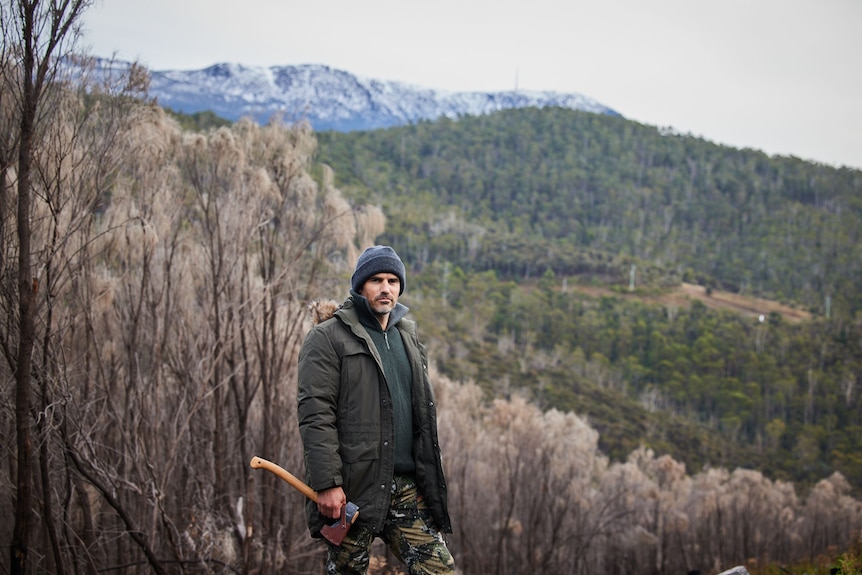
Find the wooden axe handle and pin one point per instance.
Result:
(295, 482)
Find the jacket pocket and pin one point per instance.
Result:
(359, 401)
(360, 471)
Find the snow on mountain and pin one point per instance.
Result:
(332, 99)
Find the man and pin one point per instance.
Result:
(368, 423)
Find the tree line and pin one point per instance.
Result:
(525, 190)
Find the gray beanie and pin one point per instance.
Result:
(377, 260)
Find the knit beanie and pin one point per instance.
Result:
(376, 260)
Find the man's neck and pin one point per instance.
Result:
(383, 319)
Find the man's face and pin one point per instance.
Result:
(381, 291)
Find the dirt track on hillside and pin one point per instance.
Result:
(683, 295)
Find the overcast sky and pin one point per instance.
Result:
(781, 76)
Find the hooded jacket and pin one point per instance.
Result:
(346, 417)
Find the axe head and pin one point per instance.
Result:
(335, 533)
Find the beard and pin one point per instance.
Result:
(382, 308)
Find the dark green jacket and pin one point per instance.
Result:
(346, 418)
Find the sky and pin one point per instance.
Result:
(780, 76)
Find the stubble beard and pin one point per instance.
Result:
(382, 309)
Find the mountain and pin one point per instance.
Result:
(332, 99)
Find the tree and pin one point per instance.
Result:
(37, 35)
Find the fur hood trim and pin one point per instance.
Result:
(322, 309)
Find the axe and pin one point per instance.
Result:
(333, 533)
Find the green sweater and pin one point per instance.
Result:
(399, 376)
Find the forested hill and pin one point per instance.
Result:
(523, 191)
(547, 248)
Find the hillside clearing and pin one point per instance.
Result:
(685, 293)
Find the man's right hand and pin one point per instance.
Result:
(331, 501)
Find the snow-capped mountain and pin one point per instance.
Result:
(333, 99)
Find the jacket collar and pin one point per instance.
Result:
(366, 315)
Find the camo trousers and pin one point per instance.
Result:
(409, 533)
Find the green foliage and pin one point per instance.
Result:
(198, 121)
(525, 190)
(509, 220)
(710, 388)
(847, 563)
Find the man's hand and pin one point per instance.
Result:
(331, 501)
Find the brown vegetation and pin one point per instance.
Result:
(546, 500)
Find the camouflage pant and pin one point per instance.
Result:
(409, 532)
